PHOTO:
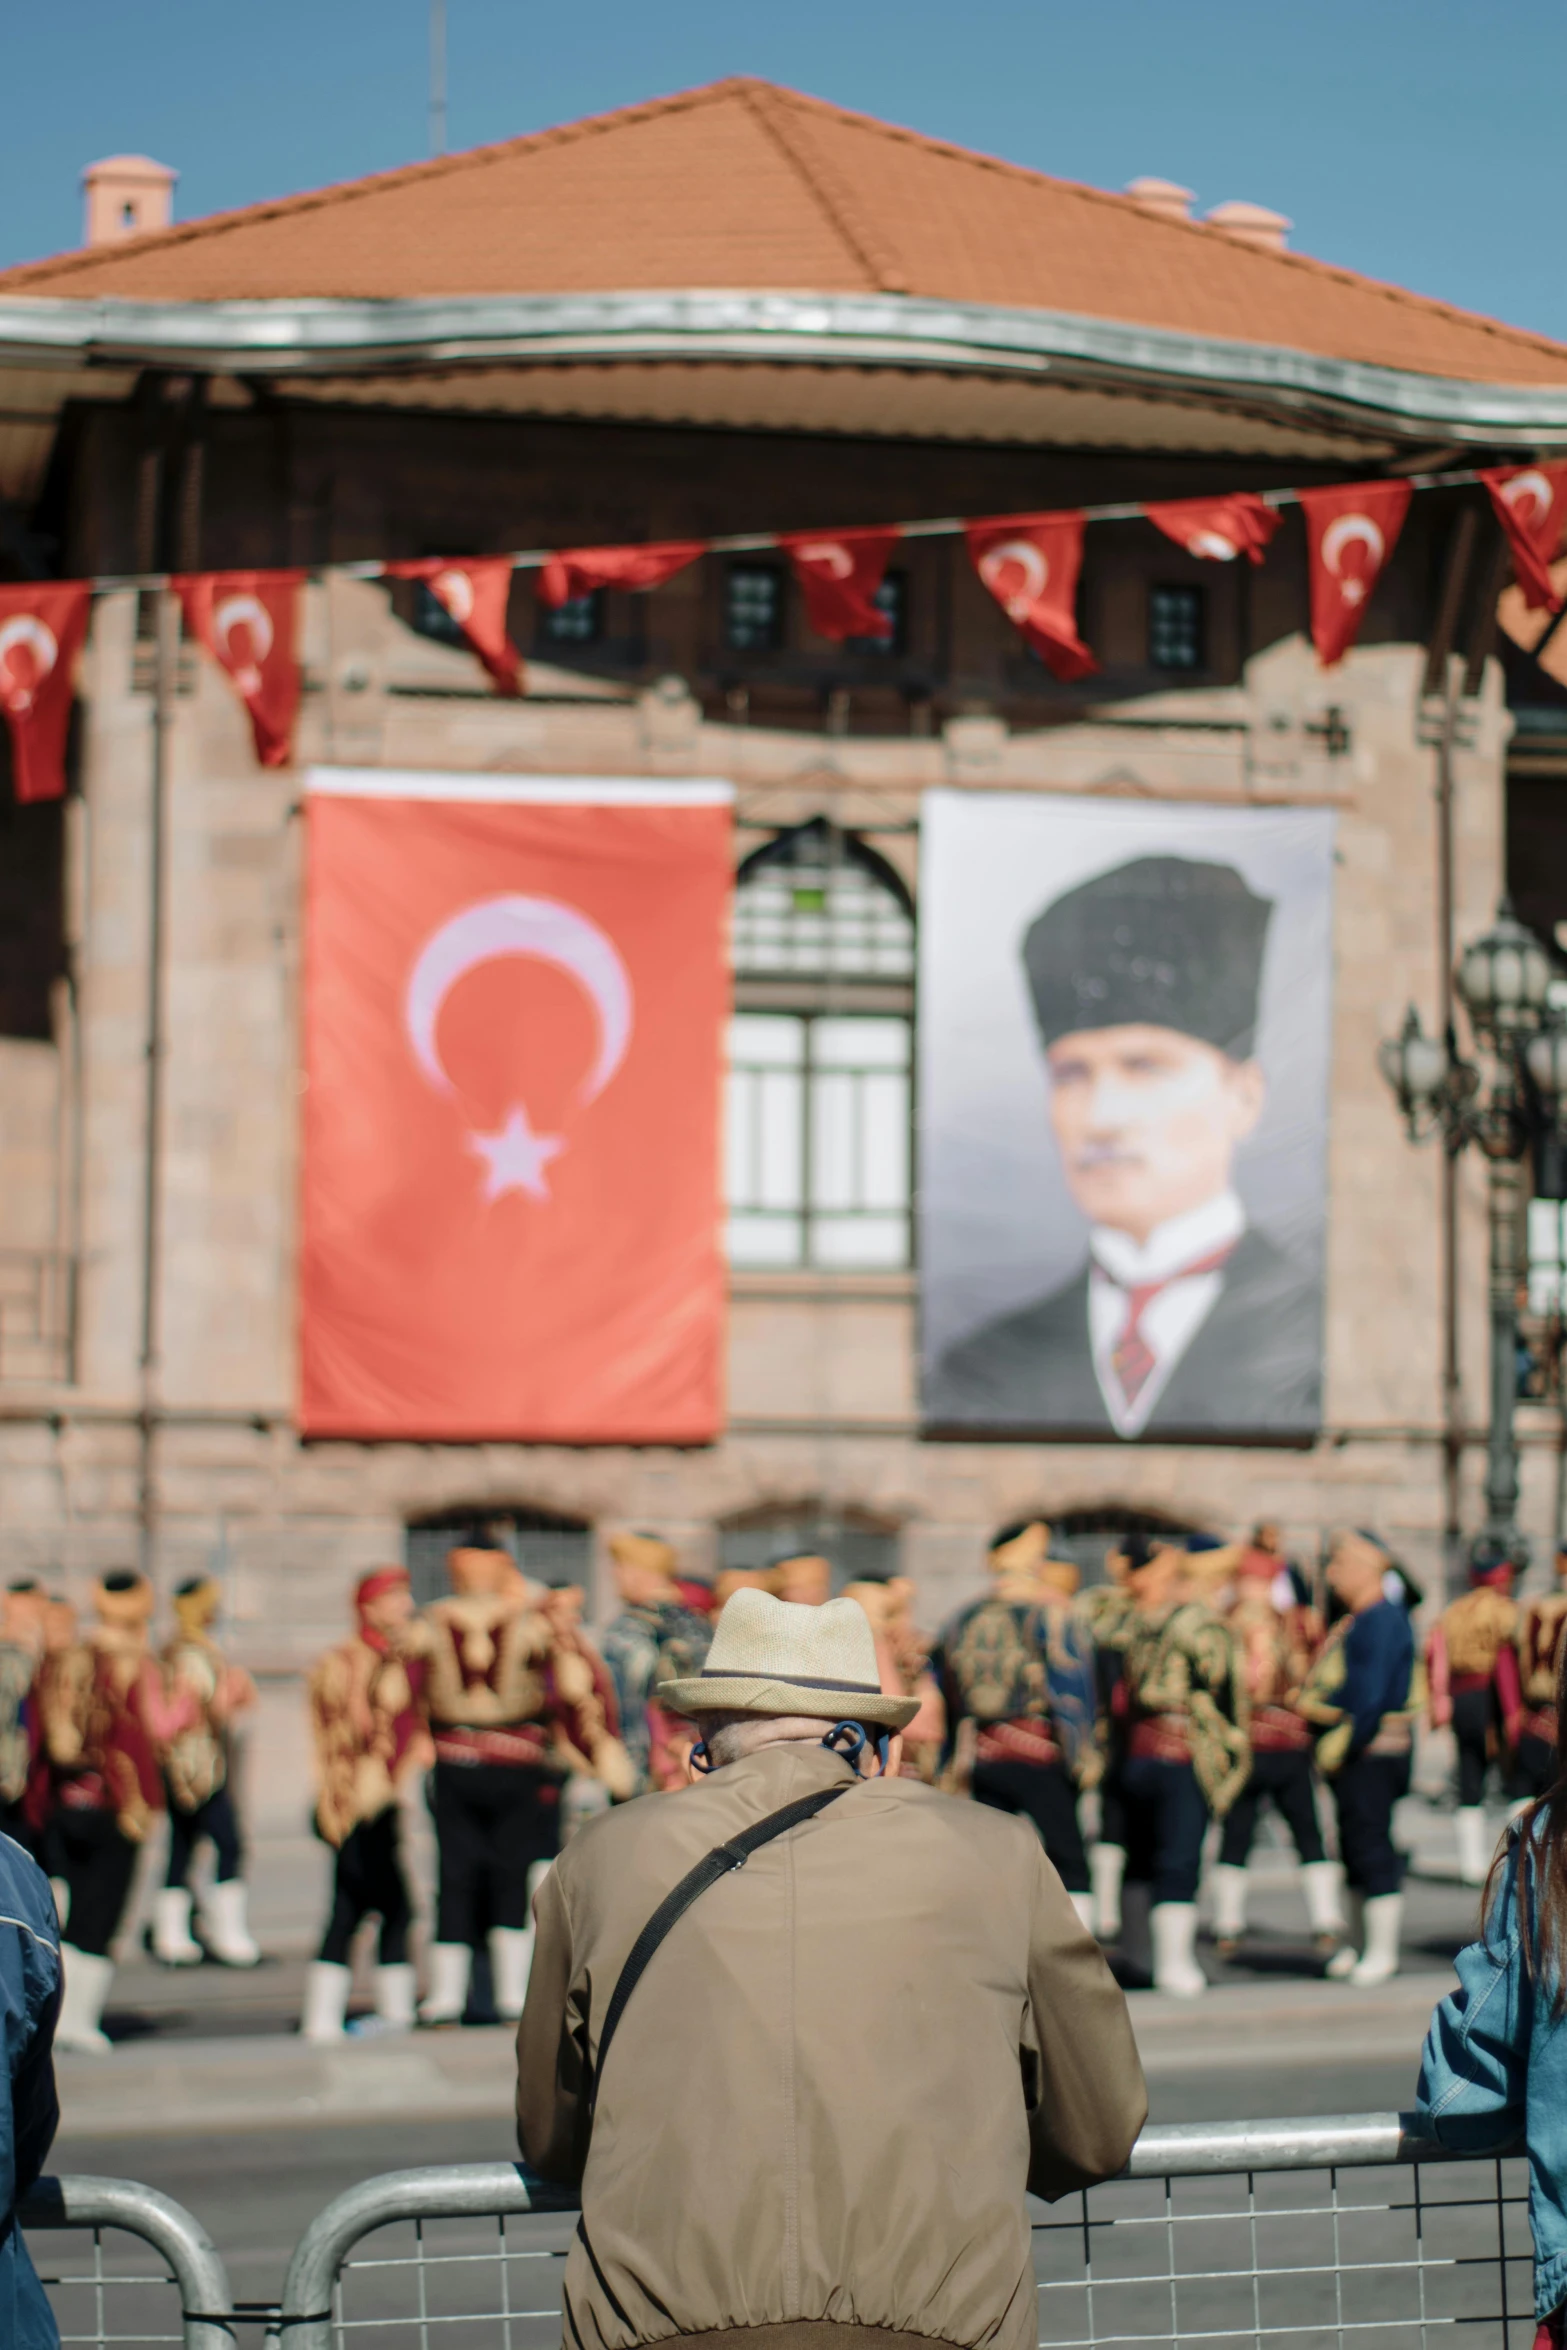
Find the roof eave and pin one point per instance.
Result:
(315, 337)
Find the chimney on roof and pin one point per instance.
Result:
(1251, 224)
(1164, 198)
(125, 196)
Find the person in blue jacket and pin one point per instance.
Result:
(30, 1980)
(1494, 2069)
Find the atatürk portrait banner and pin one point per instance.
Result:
(515, 991)
(1124, 1040)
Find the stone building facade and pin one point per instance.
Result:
(196, 1454)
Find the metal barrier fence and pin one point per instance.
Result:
(105, 2297)
(1321, 2233)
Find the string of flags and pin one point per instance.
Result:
(246, 621)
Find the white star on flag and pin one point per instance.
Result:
(515, 1158)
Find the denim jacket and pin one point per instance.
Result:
(1494, 2070)
(29, 2002)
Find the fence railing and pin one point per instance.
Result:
(1318, 2233)
(105, 2296)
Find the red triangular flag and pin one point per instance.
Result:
(1030, 564)
(1350, 533)
(42, 626)
(474, 590)
(1531, 506)
(1218, 529)
(839, 573)
(577, 571)
(246, 621)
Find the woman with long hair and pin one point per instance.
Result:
(1494, 2069)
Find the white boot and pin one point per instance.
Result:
(1083, 1903)
(1173, 1925)
(1229, 1905)
(87, 1980)
(511, 1963)
(1475, 1844)
(1106, 1868)
(326, 2001)
(223, 1917)
(1384, 1916)
(1347, 1957)
(451, 1964)
(172, 1941)
(62, 1898)
(396, 1992)
(1319, 1881)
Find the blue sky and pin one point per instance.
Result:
(1413, 139)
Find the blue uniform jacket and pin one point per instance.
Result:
(29, 2111)
(1495, 2069)
(1379, 1657)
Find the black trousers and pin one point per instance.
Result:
(1166, 1821)
(15, 1824)
(1472, 1717)
(214, 1818)
(1283, 1776)
(368, 1881)
(97, 1863)
(1364, 1793)
(1043, 1793)
(492, 1822)
(1533, 1771)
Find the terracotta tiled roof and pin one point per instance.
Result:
(746, 185)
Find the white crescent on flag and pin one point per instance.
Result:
(1015, 555)
(829, 555)
(1347, 531)
(454, 589)
(1213, 546)
(25, 633)
(243, 611)
(547, 932)
(1531, 488)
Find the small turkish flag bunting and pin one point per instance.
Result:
(1350, 533)
(839, 574)
(42, 626)
(1218, 529)
(1030, 564)
(246, 621)
(579, 570)
(1531, 506)
(474, 590)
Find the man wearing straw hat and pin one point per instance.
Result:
(727, 1991)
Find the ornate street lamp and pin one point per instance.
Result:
(1503, 981)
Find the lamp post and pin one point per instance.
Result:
(1503, 981)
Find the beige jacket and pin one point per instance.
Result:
(837, 2076)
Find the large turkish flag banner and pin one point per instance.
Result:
(515, 996)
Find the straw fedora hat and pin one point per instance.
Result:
(770, 1658)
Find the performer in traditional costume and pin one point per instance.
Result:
(1187, 1756)
(1542, 1633)
(903, 1657)
(1107, 1610)
(1016, 1675)
(1278, 1638)
(202, 1695)
(514, 1709)
(1362, 1694)
(802, 1577)
(370, 1739)
(93, 1700)
(656, 1638)
(22, 1616)
(1473, 1680)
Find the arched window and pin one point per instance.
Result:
(549, 1548)
(820, 1057)
(856, 1545)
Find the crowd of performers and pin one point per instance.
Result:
(1198, 1682)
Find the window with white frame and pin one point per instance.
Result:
(819, 1158)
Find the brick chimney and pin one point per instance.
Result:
(1251, 224)
(125, 196)
(1164, 198)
